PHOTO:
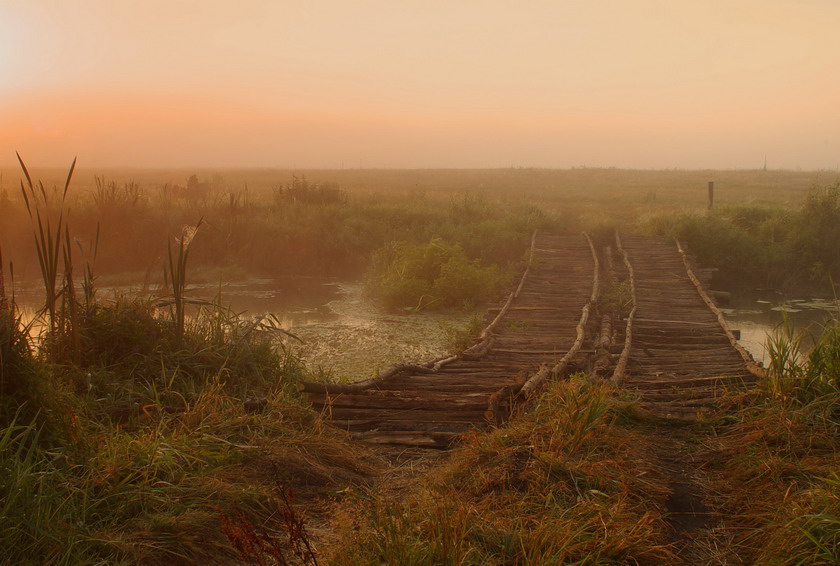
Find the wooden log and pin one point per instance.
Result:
(687, 322)
(317, 387)
(536, 381)
(407, 415)
(394, 425)
(408, 438)
(401, 399)
(621, 365)
(752, 366)
(479, 350)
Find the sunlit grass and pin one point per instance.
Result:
(555, 486)
(782, 455)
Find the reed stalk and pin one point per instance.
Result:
(175, 274)
(48, 233)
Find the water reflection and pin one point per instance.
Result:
(759, 313)
(295, 301)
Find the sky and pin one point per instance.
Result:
(693, 84)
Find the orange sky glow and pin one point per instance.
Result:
(331, 84)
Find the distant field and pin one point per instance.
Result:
(599, 186)
(248, 225)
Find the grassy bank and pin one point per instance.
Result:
(159, 446)
(564, 484)
(778, 458)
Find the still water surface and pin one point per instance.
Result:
(342, 333)
(759, 314)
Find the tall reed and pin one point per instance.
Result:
(175, 274)
(48, 229)
(785, 348)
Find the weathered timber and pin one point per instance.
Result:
(621, 365)
(752, 366)
(681, 357)
(537, 380)
(535, 328)
(409, 438)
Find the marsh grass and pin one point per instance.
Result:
(175, 274)
(125, 433)
(563, 484)
(768, 246)
(48, 225)
(782, 455)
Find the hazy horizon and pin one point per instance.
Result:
(643, 84)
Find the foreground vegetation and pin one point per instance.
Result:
(780, 458)
(156, 430)
(563, 484)
(163, 455)
(137, 434)
(577, 481)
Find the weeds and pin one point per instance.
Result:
(261, 545)
(460, 338)
(176, 274)
(49, 231)
(554, 486)
(126, 431)
(785, 447)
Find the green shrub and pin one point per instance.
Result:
(433, 275)
(765, 246)
(813, 242)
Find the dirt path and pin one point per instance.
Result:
(696, 528)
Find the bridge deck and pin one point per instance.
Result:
(430, 408)
(681, 359)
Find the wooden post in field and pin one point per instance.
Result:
(711, 193)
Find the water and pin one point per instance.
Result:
(758, 314)
(295, 301)
(342, 332)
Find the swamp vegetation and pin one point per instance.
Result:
(134, 433)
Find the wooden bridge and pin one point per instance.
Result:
(673, 348)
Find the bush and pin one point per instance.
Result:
(765, 246)
(813, 242)
(433, 275)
